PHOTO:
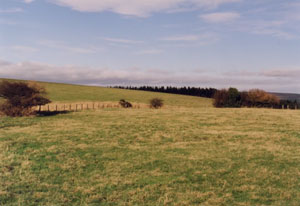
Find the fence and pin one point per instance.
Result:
(83, 106)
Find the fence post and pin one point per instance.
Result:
(48, 108)
(282, 106)
(70, 107)
(288, 106)
(56, 107)
(87, 106)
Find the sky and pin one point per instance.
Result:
(205, 43)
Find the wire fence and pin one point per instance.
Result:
(83, 106)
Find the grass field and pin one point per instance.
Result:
(194, 155)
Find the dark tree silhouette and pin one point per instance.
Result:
(191, 91)
(21, 97)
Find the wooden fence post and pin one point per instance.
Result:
(288, 106)
(56, 107)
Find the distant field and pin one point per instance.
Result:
(288, 96)
(192, 155)
(74, 93)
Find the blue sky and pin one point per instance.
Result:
(218, 43)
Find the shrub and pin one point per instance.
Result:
(21, 97)
(125, 104)
(156, 103)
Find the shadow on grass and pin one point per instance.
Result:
(51, 113)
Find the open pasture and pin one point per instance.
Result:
(191, 155)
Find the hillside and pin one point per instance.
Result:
(76, 93)
(288, 96)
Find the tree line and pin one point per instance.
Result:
(253, 98)
(191, 91)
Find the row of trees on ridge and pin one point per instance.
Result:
(253, 98)
(191, 91)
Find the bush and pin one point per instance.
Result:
(21, 97)
(125, 104)
(156, 103)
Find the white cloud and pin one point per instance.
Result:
(182, 38)
(122, 41)
(63, 46)
(25, 49)
(220, 17)
(141, 8)
(193, 39)
(149, 51)
(276, 28)
(11, 10)
(282, 73)
(28, 1)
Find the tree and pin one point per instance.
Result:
(21, 97)
(220, 98)
(260, 98)
(234, 98)
(156, 103)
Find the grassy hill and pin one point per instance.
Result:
(288, 96)
(75, 93)
(192, 155)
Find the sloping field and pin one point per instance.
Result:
(192, 155)
(66, 93)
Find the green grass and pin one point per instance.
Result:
(194, 155)
(75, 93)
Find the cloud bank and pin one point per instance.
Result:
(279, 80)
(141, 8)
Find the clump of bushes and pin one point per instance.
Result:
(156, 103)
(21, 97)
(253, 98)
(125, 104)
